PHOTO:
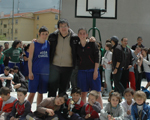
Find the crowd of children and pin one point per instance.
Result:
(132, 107)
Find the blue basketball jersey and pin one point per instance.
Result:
(41, 61)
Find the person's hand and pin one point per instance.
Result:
(130, 66)
(50, 112)
(9, 58)
(34, 40)
(110, 62)
(16, 119)
(115, 71)
(109, 117)
(92, 39)
(2, 79)
(91, 103)
(141, 56)
(87, 116)
(70, 113)
(12, 118)
(95, 74)
(129, 112)
(31, 76)
(104, 66)
(13, 82)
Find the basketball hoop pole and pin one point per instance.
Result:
(95, 28)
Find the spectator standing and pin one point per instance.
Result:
(14, 54)
(107, 65)
(139, 43)
(127, 62)
(6, 46)
(117, 59)
(88, 73)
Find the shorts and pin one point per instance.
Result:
(38, 84)
(85, 81)
(147, 76)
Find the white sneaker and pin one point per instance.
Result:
(55, 118)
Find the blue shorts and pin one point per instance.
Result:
(11, 65)
(38, 84)
(147, 76)
(86, 82)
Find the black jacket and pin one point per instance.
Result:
(53, 39)
(127, 58)
(134, 46)
(117, 56)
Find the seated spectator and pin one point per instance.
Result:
(21, 107)
(47, 109)
(127, 103)
(113, 110)
(6, 103)
(19, 78)
(140, 110)
(75, 104)
(90, 110)
(14, 54)
(6, 79)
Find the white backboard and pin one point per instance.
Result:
(81, 8)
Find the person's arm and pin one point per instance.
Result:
(133, 113)
(121, 114)
(10, 77)
(96, 106)
(42, 107)
(104, 111)
(140, 60)
(96, 58)
(146, 61)
(83, 114)
(31, 51)
(13, 112)
(27, 110)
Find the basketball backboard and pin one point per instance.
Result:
(83, 7)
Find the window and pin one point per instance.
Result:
(4, 34)
(16, 21)
(37, 26)
(11, 31)
(16, 30)
(15, 38)
(37, 35)
(37, 17)
(1, 22)
(56, 16)
(5, 25)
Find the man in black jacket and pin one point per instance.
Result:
(117, 59)
(63, 44)
(127, 62)
(62, 57)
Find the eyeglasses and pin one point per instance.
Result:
(64, 26)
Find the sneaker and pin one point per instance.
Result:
(28, 117)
